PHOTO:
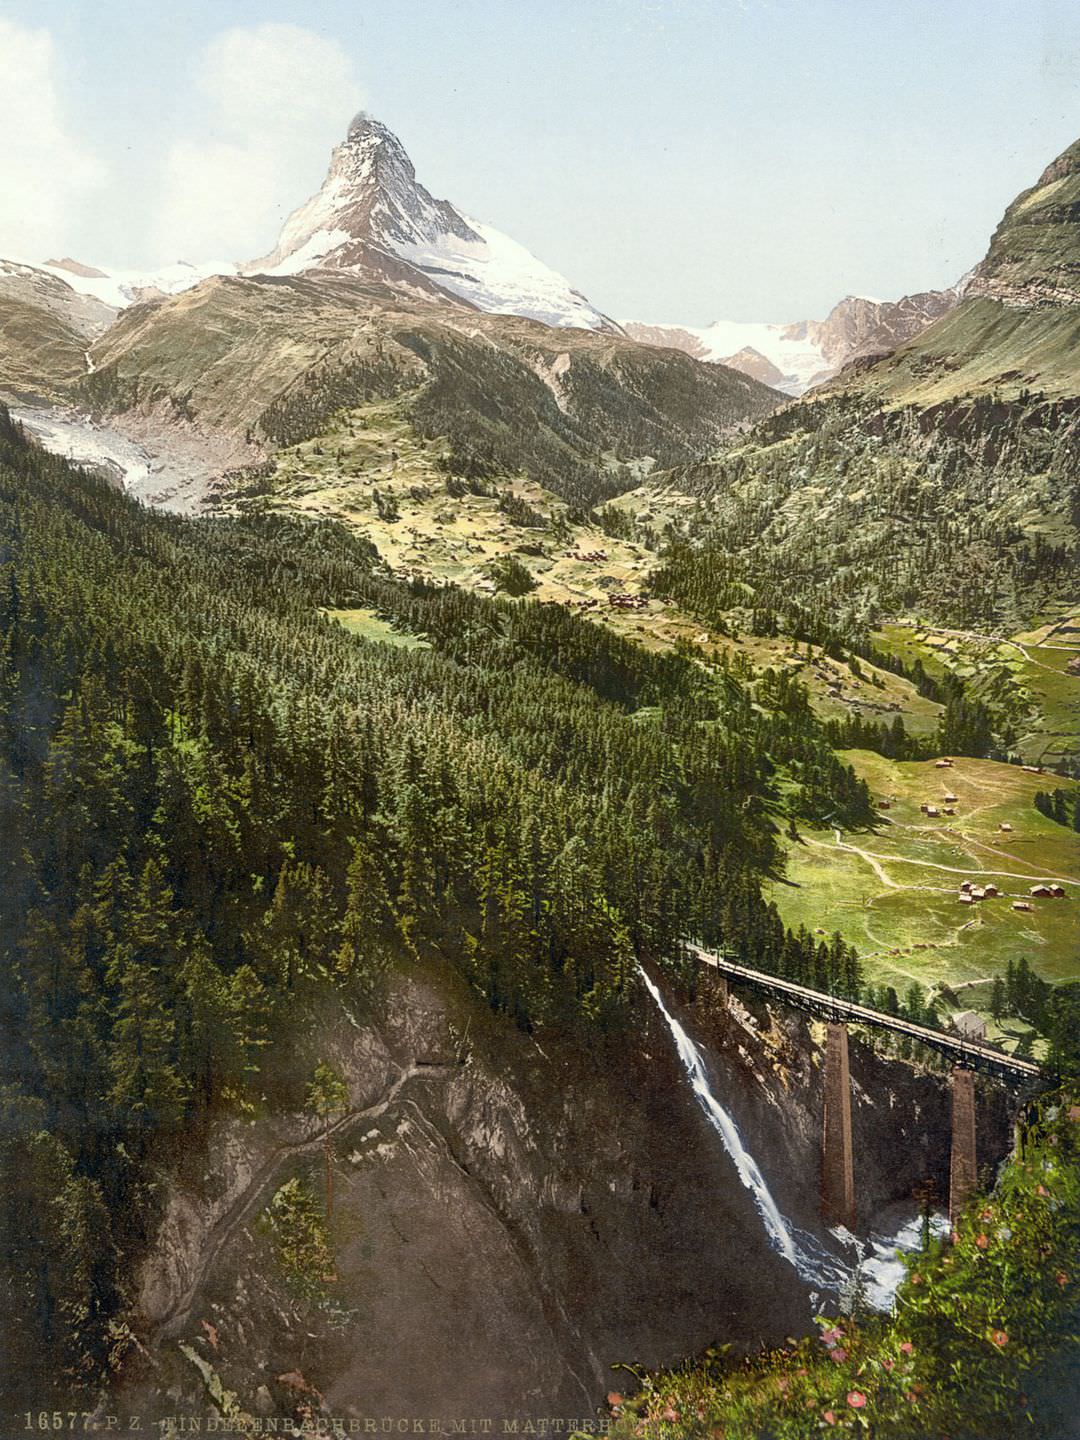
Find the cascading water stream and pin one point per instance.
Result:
(813, 1263)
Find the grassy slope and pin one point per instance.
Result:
(370, 470)
(281, 356)
(370, 626)
(1024, 675)
(349, 473)
(904, 914)
(1019, 326)
(39, 354)
(981, 347)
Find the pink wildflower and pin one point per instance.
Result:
(828, 1417)
(907, 1347)
(981, 1241)
(856, 1399)
(999, 1337)
(838, 1355)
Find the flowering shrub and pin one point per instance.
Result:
(976, 1314)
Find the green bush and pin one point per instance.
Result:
(978, 1317)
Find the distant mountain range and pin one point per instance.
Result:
(378, 290)
(372, 218)
(794, 357)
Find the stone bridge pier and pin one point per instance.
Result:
(838, 1195)
(963, 1171)
(838, 1161)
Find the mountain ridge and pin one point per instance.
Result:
(799, 355)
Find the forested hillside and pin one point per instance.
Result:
(217, 802)
(939, 481)
(837, 514)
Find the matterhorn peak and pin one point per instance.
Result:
(369, 144)
(373, 217)
(364, 126)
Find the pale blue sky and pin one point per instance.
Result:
(678, 160)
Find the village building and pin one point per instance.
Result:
(1041, 892)
(1022, 905)
(1005, 826)
(970, 1025)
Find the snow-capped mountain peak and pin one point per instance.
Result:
(373, 216)
(795, 357)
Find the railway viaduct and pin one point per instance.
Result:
(968, 1056)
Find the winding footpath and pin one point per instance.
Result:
(239, 1211)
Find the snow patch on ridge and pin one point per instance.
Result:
(312, 252)
(121, 288)
(499, 275)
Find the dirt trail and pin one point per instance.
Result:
(1003, 640)
(244, 1205)
(872, 860)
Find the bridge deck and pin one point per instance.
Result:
(973, 1052)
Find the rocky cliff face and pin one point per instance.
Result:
(511, 1218)
(1034, 255)
(859, 326)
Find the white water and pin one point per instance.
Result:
(881, 1270)
(874, 1267)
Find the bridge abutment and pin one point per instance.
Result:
(837, 1167)
(963, 1172)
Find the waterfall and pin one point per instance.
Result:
(814, 1264)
